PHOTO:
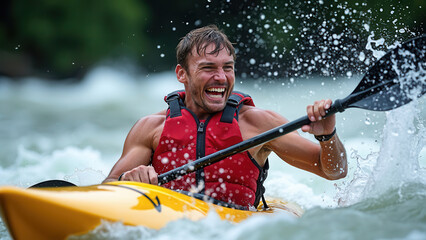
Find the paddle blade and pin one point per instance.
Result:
(395, 80)
(53, 183)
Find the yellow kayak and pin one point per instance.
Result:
(55, 213)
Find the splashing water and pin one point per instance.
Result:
(398, 161)
(376, 53)
(412, 76)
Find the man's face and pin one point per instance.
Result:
(209, 80)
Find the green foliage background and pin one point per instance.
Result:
(63, 39)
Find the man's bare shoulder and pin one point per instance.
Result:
(148, 129)
(153, 120)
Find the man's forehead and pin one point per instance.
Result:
(208, 49)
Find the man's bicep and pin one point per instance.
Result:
(136, 156)
(293, 148)
(132, 158)
(137, 150)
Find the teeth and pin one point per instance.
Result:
(219, 90)
(216, 96)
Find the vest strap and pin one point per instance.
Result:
(260, 188)
(173, 100)
(265, 205)
(230, 108)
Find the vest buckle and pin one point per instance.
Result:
(172, 97)
(233, 102)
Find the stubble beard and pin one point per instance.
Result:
(199, 103)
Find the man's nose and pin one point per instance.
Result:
(220, 75)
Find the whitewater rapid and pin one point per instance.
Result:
(76, 132)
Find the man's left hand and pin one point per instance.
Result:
(320, 125)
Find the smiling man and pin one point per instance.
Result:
(209, 116)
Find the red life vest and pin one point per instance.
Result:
(237, 179)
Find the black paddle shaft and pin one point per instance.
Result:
(394, 80)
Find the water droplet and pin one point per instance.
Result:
(361, 56)
(367, 27)
(367, 121)
(164, 160)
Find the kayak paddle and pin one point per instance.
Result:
(393, 81)
(53, 183)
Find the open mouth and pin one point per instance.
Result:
(215, 92)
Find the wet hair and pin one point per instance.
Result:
(200, 38)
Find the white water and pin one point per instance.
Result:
(76, 132)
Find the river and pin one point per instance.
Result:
(75, 132)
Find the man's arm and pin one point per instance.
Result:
(133, 164)
(327, 159)
(333, 154)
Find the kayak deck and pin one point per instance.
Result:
(55, 213)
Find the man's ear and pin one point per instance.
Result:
(180, 73)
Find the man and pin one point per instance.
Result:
(202, 120)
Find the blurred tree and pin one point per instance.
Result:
(66, 38)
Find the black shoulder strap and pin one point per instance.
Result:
(173, 100)
(230, 108)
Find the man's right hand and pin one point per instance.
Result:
(145, 174)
